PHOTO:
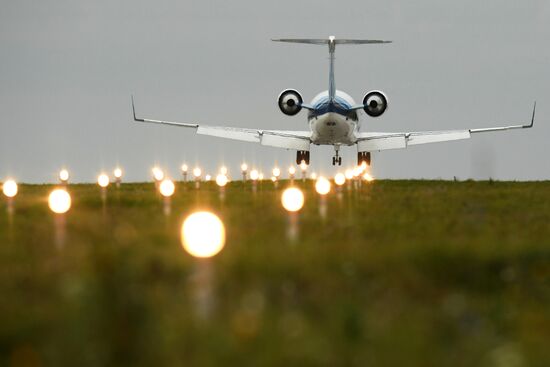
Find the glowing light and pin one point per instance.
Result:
(292, 199)
(203, 234)
(363, 166)
(207, 178)
(276, 172)
(254, 175)
(117, 173)
(291, 170)
(303, 166)
(322, 186)
(339, 179)
(59, 201)
(167, 188)
(10, 188)
(357, 171)
(367, 177)
(184, 168)
(348, 174)
(158, 175)
(313, 175)
(223, 170)
(261, 176)
(103, 180)
(273, 178)
(244, 167)
(221, 180)
(197, 172)
(64, 175)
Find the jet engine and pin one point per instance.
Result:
(375, 103)
(290, 102)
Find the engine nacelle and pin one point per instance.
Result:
(290, 102)
(375, 103)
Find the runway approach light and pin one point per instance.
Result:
(254, 175)
(203, 234)
(158, 175)
(244, 167)
(207, 178)
(303, 166)
(184, 169)
(64, 176)
(313, 176)
(117, 173)
(291, 171)
(292, 199)
(59, 201)
(348, 174)
(223, 170)
(276, 172)
(167, 188)
(322, 186)
(339, 179)
(221, 180)
(10, 188)
(197, 173)
(103, 180)
(368, 177)
(261, 176)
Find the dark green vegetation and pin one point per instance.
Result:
(399, 273)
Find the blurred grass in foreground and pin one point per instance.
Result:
(399, 273)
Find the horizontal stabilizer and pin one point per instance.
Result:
(321, 41)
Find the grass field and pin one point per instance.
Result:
(398, 273)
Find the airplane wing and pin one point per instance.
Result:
(297, 140)
(368, 142)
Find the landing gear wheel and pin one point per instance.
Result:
(334, 161)
(339, 161)
(302, 156)
(363, 157)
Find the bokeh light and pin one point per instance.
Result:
(207, 178)
(10, 188)
(340, 179)
(103, 180)
(59, 201)
(313, 175)
(223, 170)
(348, 174)
(64, 175)
(291, 170)
(197, 172)
(322, 186)
(244, 167)
(117, 173)
(203, 234)
(254, 175)
(276, 172)
(221, 180)
(184, 168)
(158, 174)
(292, 199)
(303, 166)
(167, 188)
(368, 177)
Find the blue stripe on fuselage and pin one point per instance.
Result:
(340, 106)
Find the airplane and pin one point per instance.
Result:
(334, 119)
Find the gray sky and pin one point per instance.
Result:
(68, 69)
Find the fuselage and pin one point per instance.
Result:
(332, 122)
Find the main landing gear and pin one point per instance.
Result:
(336, 159)
(302, 156)
(363, 157)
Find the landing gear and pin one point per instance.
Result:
(336, 159)
(302, 156)
(363, 157)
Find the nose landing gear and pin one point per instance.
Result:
(336, 159)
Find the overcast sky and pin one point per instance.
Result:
(68, 68)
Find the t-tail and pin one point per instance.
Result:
(331, 42)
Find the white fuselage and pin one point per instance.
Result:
(330, 124)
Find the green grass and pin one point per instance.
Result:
(399, 273)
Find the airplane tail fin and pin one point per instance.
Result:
(331, 42)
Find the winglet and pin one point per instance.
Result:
(532, 117)
(134, 111)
